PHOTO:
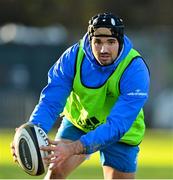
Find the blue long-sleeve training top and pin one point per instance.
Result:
(134, 88)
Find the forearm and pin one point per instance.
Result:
(118, 123)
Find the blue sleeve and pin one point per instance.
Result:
(134, 88)
(53, 97)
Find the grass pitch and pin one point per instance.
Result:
(155, 159)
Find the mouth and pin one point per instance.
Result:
(104, 56)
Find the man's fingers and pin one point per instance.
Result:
(13, 152)
(52, 166)
(52, 142)
(14, 157)
(54, 163)
(50, 156)
(47, 148)
(54, 160)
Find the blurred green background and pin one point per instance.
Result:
(33, 35)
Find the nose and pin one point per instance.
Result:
(104, 49)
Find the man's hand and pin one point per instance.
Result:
(61, 151)
(13, 150)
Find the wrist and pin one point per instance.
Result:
(77, 148)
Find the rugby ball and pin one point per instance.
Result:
(27, 141)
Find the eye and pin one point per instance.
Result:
(97, 41)
(112, 41)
